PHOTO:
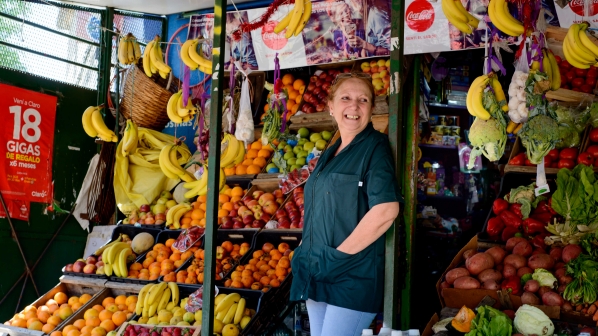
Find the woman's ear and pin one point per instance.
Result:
(330, 107)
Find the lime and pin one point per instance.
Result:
(300, 162)
(291, 161)
(301, 142)
(302, 154)
(297, 149)
(288, 148)
(288, 155)
(314, 137)
(326, 135)
(282, 144)
(303, 132)
(321, 144)
(270, 166)
(308, 146)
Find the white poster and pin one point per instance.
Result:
(425, 27)
(575, 12)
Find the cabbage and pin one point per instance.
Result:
(530, 320)
(544, 277)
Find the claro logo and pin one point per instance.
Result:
(419, 15)
(577, 6)
(39, 194)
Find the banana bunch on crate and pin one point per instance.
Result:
(116, 256)
(198, 188)
(233, 153)
(94, 126)
(579, 50)
(153, 60)
(129, 50)
(177, 113)
(155, 297)
(501, 18)
(295, 21)
(193, 59)
(458, 16)
(231, 309)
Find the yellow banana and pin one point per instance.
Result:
(469, 99)
(297, 14)
(499, 93)
(108, 269)
(546, 65)
(174, 165)
(112, 253)
(86, 120)
(240, 311)
(511, 126)
(98, 124)
(157, 293)
(171, 212)
(171, 108)
(141, 298)
(206, 70)
(283, 23)
(130, 50)
(502, 19)
(179, 213)
(182, 111)
(136, 49)
(122, 261)
(130, 138)
(471, 20)
(455, 17)
(304, 17)
(220, 316)
(165, 299)
(174, 289)
(556, 74)
(101, 250)
(518, 128)
(187, 177)
(165, 163)
(230, 315)
(576, 46)
(196, 57)
(240, 154)
(156, 57)
(122, 51)
(476, 101)
(585, 40)
(219, 299)
(230, 153)
(225, 304)
(185, 55)
(572, 58)
(147, 59)
(146, 304)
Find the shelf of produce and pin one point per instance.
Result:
(423, 145)
(193, 331)
(509, 168)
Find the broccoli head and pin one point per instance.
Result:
(539, 136)
(487, 137)
(568, 137)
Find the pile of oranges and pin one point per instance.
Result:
(256, 158)
(267, 269)
(163, 259)
(102, 319)
(294, 89)
(45, 318)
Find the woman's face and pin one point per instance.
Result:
(352, 106)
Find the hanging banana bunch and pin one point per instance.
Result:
(551, 69)
(295, 20)
(458, 16)
(499, 93)
(200, 187)
(475, 95)
(193, 59)
(500, 17)
(233, 153)
(130, 139)
(177, 113)
(129, 50)
(153, 59)
(579, 50)
(94, 126)
(172, 157)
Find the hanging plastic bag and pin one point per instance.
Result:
(244, 130)
(518, 111)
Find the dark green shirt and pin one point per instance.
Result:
(338, 194)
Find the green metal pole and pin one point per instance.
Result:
(213, 165)
(105, 56)
(391, 276)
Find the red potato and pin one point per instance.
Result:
(543, 290)
(515, 260)
(538, 251)
(559, 273)
(566, 307)
(467, 254)
(466, 282)
(499, 267)
(523, 271)
(559, 265)
(491, 285)
(479, 262)
(454, 274)
(530, 298)
(552, 299)
(523, 248)
(565, 280)
(556, 253)
(540, 261)
(497, 253)
(444, 285)
(532, 286)
(512, 242)
(509, 271)
(570, 252)
(561, 289)
(490, 274)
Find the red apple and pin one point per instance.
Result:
(248, 219)
(279, 200)
(280, 213)
(277, 193)
(99, 264)
(287, 252)
(266, 217)
(133, 219)
(258, 213)
(91, 260)
(298, 190)
(317, 90)
(294, 215)
(150, 221)
(227, 223)
(270, 207)
(257, 194)
(313, 79)
(238, 224)
(267, 247)
(100, 259)
(257, 224)
(89, 269)
(295, 223)
(237, 205)
(290, 206)
(233, 213)
(293, 226)
(68, 268)
(265, 197)
(78, 266)
(160, 216)
(252, 203)
(144, 208)
(284, 223)
(159, 222)
(299, 201)
(248, 226)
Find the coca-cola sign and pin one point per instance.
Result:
(577, 6)
(419, 15)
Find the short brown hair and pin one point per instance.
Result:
(340, 81)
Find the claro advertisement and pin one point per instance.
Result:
(27, 140)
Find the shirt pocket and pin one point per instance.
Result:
(335, 266)
(344, 204)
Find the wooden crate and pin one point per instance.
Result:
(121, 330)
(321, 121)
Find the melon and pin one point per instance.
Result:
(142, 242)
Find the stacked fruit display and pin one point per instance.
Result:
(253, 211)
(295, 153)
(316, 92)
(380, 71)
(267, 269)
(252, 162)
(101, 319)
(161, 260)
(581, 80)
(152, 214)
(49, 315)
(227, 255)
(290, 216)
(294, 89)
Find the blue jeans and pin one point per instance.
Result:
(328, 320)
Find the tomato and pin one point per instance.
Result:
(565, 64)
(565, 87)
(577, 83)
(568, 153)
(585, 158)
(591, 81)
(581, 73)
(566, 163)
(586, 88)
(547, 161)
(564, 79)
(593, 150)
(596, 162)
(570, 76)
(558, 59)
(592, 73)
(594, 135)
(554, 164)
(553, 154)
(518, 160)
(528, 162)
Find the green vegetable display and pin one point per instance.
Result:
(582, 289)
(530, 320)
(539, 135)
(488, 137)
(490, 322)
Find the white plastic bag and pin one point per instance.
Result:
(244, 129)
(518, 111)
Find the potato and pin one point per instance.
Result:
(523, 249)
(552, 299)
(454, 274)
(523, 271)
(561, 289)
(538, 251)
(467, 254)
(570, 252)
(512, 242)
(445, 284)
(566, 307)
(479, 262)
(559, 273)
(532, 286)
(491, 285)
(544, 261)
(497, 253)
(556, 253)
(543, 290)
(489, 274)
(499, 267)
(515, 260)
(466, 282)
(559, 265)
(509, 271)
(530, 298)
(565, 279)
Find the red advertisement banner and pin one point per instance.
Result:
(17, 209)
(27, 140)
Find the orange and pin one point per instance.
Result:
(266, 108)
(256, 145)
(288, 79)
(71, 300)
(169, 242)
(136, 267)
(83, 299)
(56, 333)
(108, 325)
(74, 332)
(202, 199)
(98, 308)
(132, 305)
(55, 320)
(93, 321)
(229, 171)
(131, 299)
(253, 169)
(110, 300)
(252, 153)
(187, 214)
(202, 207)
(202, 222)
(223, 198)
(148, 261)
(19, 322)
(222, 213)
(104, 315)
(68, 328)
(80, 323)
(247, 162)
(76, 305)
(119, 318)
(260, 162)
(175, 256)
(289, 88)
(91, 313)
(293, 95)
(86, 330)
(99, 331)
(241, 170)
(122, 299)
(65, 312)
(61, 298)
(263, 153)
(235, 199)
(157, 247)
(302, 89)
(295, 109)
(298, 100)
(184, 221)
(290, 104)
(36, 325)
(227, 206)
(43, 316)
(298, 83)
(151, 254)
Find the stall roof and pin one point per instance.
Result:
(159, 7)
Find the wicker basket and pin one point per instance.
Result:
(146, 98)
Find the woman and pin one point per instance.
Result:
(351, 199)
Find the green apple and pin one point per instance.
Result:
(302, 154)
(297, 149)
(308, 146)
(288, 155)
(295, 167)
(170, 204)
(282, 144)
(321, 144)
(315, 137)
(162, 200)
(301, 162)
(326, 135)
(271, 165)
(303, 132)
(166, 194)
(159, 209)
(288, 148)
(302, 141)
(291, 161)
